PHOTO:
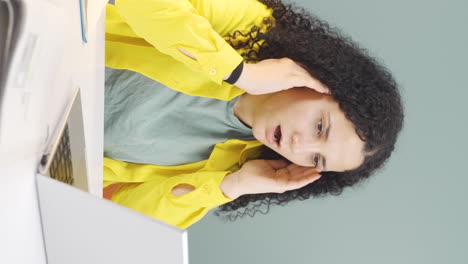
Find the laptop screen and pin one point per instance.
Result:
(81, 228)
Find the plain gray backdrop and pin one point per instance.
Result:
(414, 210)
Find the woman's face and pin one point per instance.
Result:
(308, 129)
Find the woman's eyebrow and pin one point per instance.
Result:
(327, 132)
(328, 127)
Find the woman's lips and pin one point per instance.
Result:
(271, 136)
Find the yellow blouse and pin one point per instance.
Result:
(144, 36)
(148, 188)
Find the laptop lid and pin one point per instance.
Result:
(64, 157)
(81, 228)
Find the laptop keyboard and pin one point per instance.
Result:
(61, 167)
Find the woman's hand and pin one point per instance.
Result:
(267, 176)
(274, 75)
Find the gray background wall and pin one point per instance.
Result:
(415, 210)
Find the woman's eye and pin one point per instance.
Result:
(316, 160)
(319, 127)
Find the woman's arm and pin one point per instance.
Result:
(181, 197)
(179, 190)
(175, 26)
(272, 75)
(176, 29)
(176, 195)
(267, 176)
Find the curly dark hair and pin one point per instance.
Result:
(365, 91)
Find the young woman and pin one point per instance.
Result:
(174, 155)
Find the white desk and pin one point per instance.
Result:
(29, 111)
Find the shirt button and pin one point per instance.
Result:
(207, 189)
(212, 72)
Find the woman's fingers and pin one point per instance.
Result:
(309, 82)
(267, 176)
(277, 164)
(293, 184)
(303, 181)
(297, 170)
(312, 83)
(317, 86)
(274, 75)
(304, 79)
(295, 177)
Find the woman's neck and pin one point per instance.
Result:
(246, 105)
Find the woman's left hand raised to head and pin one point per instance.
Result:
(274, 75)
(267, 176)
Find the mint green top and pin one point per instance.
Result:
(147, 122)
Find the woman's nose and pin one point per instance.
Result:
(300, 144)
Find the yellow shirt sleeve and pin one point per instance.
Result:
(169, 25)
(148, 190)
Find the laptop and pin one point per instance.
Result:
(41, 122)
(64, 158)
(81, 228)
